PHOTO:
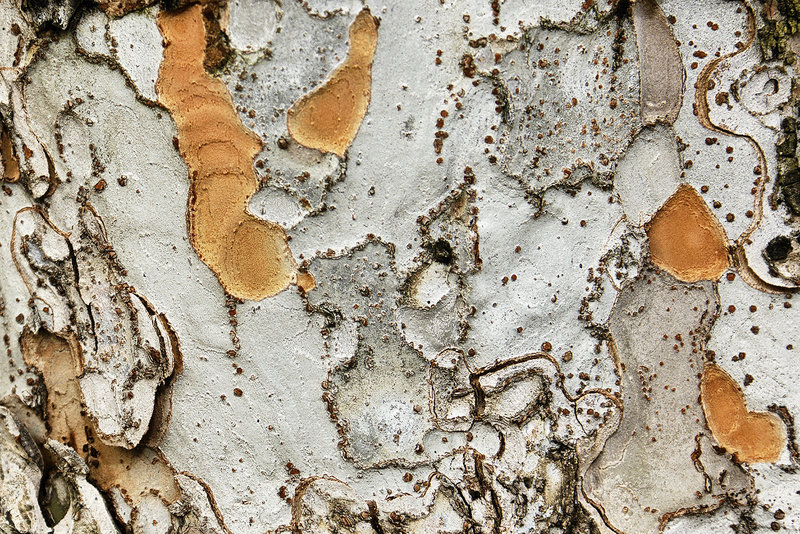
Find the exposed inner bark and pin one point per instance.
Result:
(686, 239)
(751, 436)
(250, 256)
(9, 159)
(138, 472)
(660, 67)
(328, 117)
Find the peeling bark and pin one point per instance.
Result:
(545, 257)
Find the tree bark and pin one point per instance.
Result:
(343, 266)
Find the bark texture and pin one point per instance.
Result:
(343, 266)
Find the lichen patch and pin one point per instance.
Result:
(750, 436)
(328, 117)
(686, 239)
(250, 256)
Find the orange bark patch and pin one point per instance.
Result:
(306, 282)
(686, 239)
(137, 472)
(10, 163)
(750, 436)
(250, 256)
(328, 117)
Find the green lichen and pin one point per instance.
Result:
(775, 34)
(781, 22)
(788, 182)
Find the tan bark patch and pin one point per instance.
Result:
(306, 281)
(686, 239)
(750, 436)
(250, 256)
(138, 472)
(328, 117)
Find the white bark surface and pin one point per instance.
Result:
(484, 330)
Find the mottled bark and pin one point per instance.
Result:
(340, 266)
